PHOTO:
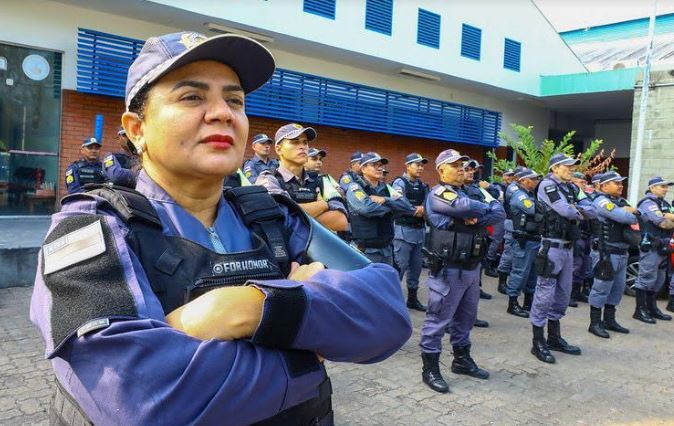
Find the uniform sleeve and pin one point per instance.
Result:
(132, 367)
(398, 203)
(495, 214)
(249, 171)
(609, 210)
(115, 173)
(521, 201)
(446, 202)
(361, 203)
(72, 180)
(650, 212)
(344, 182)
(270, 182)
(549, 193)
(588, 209)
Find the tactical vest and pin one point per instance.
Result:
(529, 226)
(610, 231)
(556, 226)
(648, 227)
(372, 232)
(416, 194)
(180, 270)
(460, 246)
(300, 194)
(88, 173)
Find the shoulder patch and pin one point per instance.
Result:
(551, 188)
(73, 248)
(552, 193)
(70, 179)
(653, 208)
(346, 180)
(360, 195)
(522, 197)
(109, 161)
(528, 203)
(450, 195)
(354, 187)
(69, 172)
(609, 206)
(659, 213)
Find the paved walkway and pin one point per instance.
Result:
(623, 380)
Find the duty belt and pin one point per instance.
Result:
(564, 245)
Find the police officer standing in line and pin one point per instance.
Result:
(656, 223)
(615, 217)
(113, 314)
(88, 169)
(314, 167)
(353, 174)
(261, 160)
(527, 218)
(319, 199)
(373, 206)
(458, 243)
(410, 230)
(122, 168)
(505, 263)
(582, 263)
(554, 261)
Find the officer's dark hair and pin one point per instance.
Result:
(139, 102)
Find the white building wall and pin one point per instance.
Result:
(543, 51)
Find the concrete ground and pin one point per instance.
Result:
(628, 379)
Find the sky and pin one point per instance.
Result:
(567, 15)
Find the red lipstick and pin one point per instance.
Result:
(219, 141)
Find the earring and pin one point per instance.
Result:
(140, 146)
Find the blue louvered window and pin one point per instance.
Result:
(324, 8)
(379, 16)
(103, 61)
(512, 54)
(471, 41)
(428, 29)
(293, 96)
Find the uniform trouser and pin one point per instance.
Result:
(552, 295)
(408, 258)
(609, 292)
(379, 257)
(523, 273)
(505, 264)
(582, 261)
(496, 239)
(671, 286)
(452, 300)
(652, 271)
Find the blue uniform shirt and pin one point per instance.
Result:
(522, 200)
(254, 166)
(446, 203)
(406, 233)
(72, 175)
(139, 370)
(119, 169)
(650, 212)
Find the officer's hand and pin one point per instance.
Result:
(378, 199)
(304, 272)
(471, 221)
(669, 216)
(419, 211)
(226, 313)
(484, 184)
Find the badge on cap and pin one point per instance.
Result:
(189, 40)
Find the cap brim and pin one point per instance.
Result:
(665, 182)
(378, 160)
(566, 162)
(319, 152)
(263, 141)
(310, 132)
(417, 160)
(452, 160)
(252, 62)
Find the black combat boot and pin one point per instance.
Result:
(515, 309)
(557, 343)
(653, 307)
(502, 282)
(431, 372)
(540, 348)
(464, 364)
(490, 268)
(413, 301)
(575, 295)
(528, 301)
(484, 295)
(480, 323)
(609, 320)
(641, 312)
(670, 305)
(596, 326)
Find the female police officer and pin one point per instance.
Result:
(112, 269)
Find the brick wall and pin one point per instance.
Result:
(80, 109)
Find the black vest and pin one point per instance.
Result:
(529, 226)
(556, 226)
(416, 194)
(648, 227)
(372, 232)
(89, 173)
(300, 194)
(610, 231)
(459, 246)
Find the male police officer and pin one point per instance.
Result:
(317, 198)
(582, 264)
(527, 218)
(458, 243)
(505, 264)
(121, 168)
(353, 174)
(314, 167)
(554, 261)
(610, 265)
(656, 222)
(86, 170)
(373, 205)
(261, 161)
(410, 230)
